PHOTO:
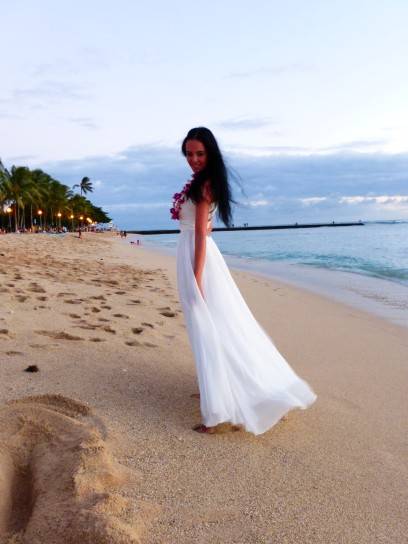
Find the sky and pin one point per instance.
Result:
(308, 101)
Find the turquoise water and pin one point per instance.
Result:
(376, 249)
(363, 266)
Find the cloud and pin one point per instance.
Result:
(57, 67)
(136, 185)
(129, 206)
(310, 201)
(18, 159)
(40, 96)
(86, 122)
(356, 145)
(257, 203)
(278, 70)
(245, 123)
(9, 115)
(85, 59)
(53, 90)
(380, 199)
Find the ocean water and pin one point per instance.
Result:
(366, 266)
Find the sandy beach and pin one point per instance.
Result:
(97, 447)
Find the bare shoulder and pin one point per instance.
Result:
(207, 191)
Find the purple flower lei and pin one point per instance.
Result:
(178, 199)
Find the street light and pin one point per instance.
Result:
(9, 210)
(40, 215)
(59, 220)
(72, 221)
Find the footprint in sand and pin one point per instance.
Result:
(135, 330)
(97, 340)
(42, 299)
(150, 345)
(75, 316)
(59, 335)
(59, 480)
(107, 328)
(12, 353)
(133, 343)
(105, 307)
(148, 324)
(95, 310)
(102, 319)
(99, 297)
(36, 288)
(136, 301)
(21, 298)
(123, 316)
(74, 301)
(41, 346)
(120, 292)
(168, 313)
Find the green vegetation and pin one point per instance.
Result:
(32, 198)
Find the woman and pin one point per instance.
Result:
(242, 377)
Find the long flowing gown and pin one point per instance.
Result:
(242, 377)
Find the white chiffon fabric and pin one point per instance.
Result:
(242, 377)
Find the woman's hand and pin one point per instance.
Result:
(200, 287)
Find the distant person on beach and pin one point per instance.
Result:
(242, 377)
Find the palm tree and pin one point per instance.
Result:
(4, 180)
(85, 186)
(19, 188)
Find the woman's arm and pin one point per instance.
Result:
(201, 229)
(201, 222)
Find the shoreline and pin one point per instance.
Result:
(376, 296)
(102, 321)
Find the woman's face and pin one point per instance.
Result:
(196, 155)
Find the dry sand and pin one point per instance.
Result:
(97, 446)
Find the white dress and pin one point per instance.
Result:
(242, 377)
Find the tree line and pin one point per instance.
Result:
(29, 198)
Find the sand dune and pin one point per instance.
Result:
(58, 478)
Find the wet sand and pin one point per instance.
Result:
(97, 445)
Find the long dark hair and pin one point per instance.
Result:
(215, 172)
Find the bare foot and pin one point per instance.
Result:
(200, 428)
(235, 428)
(195, 396)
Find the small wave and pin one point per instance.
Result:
(399, 275)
